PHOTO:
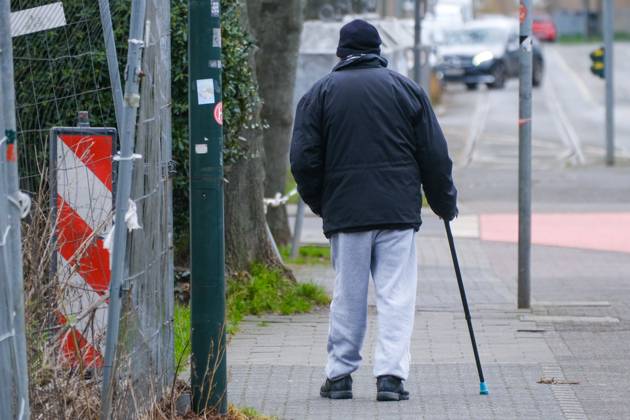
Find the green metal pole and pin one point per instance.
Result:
(207, 254)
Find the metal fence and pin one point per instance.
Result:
(59, 72)
(146, 352)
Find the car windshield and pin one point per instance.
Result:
(474, 36)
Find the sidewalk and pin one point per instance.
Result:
(574, 335)
(578, 329)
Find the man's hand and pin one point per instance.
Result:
(451, 216)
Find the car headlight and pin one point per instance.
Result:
(482, 57)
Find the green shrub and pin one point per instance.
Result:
(261, 291)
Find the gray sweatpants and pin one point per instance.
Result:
(390, 256)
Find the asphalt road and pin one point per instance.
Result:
(568, 115)
(568, 142)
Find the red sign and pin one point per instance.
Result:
(522, 12)
(218, 113)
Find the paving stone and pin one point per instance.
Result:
(278, 368)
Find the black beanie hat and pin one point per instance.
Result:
(358, 37)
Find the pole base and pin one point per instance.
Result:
(483, 388)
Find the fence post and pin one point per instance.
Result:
(123, 191)
(7, 372)
(112, 61)
(11, 177)
(297, 229)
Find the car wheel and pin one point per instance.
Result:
(471, 86)
(537, 75)
(499, 77)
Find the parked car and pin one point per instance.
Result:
(544, 28)
(485, 51)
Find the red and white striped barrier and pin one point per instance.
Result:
(82, 195)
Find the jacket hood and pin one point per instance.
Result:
(361, 61)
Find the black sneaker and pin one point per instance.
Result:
(337, 389)
(390, 388)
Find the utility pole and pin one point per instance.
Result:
(207, 253)
(525, 155)
(609, 33)
(587, 21)
(417, 42)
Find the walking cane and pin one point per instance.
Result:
(483, 388)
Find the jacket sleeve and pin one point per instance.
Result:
(435, 164)
(307, 154)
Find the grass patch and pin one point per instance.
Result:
(246, 413)
(265, 290)
(261, 291)
(308, 254)
(581, 39)
(181, 331)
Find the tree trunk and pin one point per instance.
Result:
(245, 234)
(312, 7)
(246, 237)
(277, 29)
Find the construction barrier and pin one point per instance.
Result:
(82, 199)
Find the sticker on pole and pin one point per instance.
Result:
(522, 12)
(218, 113)
(216, 37)
(205, 91)
(215, 8)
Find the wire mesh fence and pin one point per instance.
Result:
(146, 352)
(60, 72)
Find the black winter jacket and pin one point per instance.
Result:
(365, 139)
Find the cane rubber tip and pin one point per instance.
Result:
(483, 388)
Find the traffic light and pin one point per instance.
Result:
(597, 57)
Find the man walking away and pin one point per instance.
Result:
(365, 139)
